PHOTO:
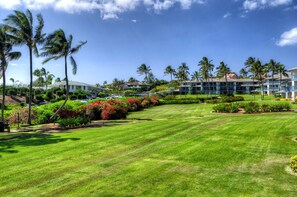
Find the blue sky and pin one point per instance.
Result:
(123, 34)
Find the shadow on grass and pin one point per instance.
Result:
(8, 145)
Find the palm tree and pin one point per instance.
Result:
(48, 78)
(206, 68)
(182, 72)
(282, 71)
(223, 70)
(6, 55)
(169, 71)
(196, 76)
(260, 71)
(12, 80)
(272, 67)
(20, 26)
(59, 46)
(39, 82)
(243, 73)
(58, 79)
(249, 64)
(132, 79)
(143, 69)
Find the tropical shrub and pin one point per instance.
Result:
(72, 122)
(20, 115)
(251, 107)
(134, 104)
(180, 101)
(43, 116)
(226, 108)
(293, 163)
(94, 110)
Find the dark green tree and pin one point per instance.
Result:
(20, 27)
(58, 46)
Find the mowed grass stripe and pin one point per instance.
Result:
(85, 140)
(141, 143)
(115, 165)
(189, 155)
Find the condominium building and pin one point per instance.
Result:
(283, 85)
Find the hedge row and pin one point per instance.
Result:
(76, 113)
(251, 107)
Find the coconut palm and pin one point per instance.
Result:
(39, 82)
(58, 46)
(282, 71)
(243, 73)
(144, 70)
(206, 67)
(260, 71)
(6, 55)
(48, 78)
(223, 70)
(58, 79)
(196, 76)
(182, 72)
(249, 65)
(12, 80)
(272, 67)
(169, 71)
(20, 26)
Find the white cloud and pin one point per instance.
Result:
(227, 15)
(134, 21)
(9, 4)
(260, 4)
(108, 8)
(288, 38)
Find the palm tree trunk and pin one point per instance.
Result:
(170, 77)
(67, 92)
(272, 83)
(31, 83)
(254, 86)
(262, 89)
(280, 83)
(227, 84)
(3, 91)
(45, 81)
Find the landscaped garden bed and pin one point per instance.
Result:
(252, 107)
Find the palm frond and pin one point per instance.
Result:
(76, 49)
(49, 59)
(39, 36)
(74, 65)
(14, 55)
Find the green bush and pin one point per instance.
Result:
(293, 163)
(251, 107)
(39, 98)
(73, 97)
(12, 92)
(49, 94)
(61, 98)
(192, 101)
(226, 108)
(74, 122)
(43, 116)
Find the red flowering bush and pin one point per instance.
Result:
(154, 101)
(107, 110)
(68, 113)
(145, 103)
(134, 104)
(94, 110)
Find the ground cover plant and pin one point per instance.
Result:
(184, 151)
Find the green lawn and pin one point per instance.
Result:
(184, 151)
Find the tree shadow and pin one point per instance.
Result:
(38, 139)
